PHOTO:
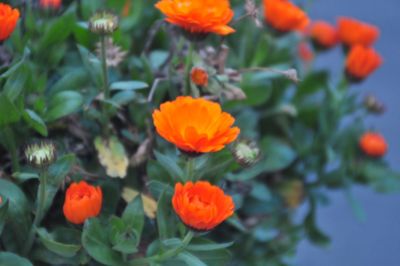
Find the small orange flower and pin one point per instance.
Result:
(305, 52)
(195, 125)
(353, 32)
(8, 20)
(198, 16)
(361, 62)
(199, 76)
(201, 206)
(373, 144)
(323, 34)
(50, 4)
(82, 201)
(284, 16)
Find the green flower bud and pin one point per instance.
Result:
(103, 22)
(40, 154)
(246, 152)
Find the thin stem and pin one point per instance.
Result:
(106, 88)
(188, 66)
(190, 167)
(39, 212)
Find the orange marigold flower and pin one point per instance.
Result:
(8, 20)
(373, 144)
(195, 125)
(82, 201)
(284, 16)
(198, 16)
(361, 62)
(353, 32)
(323, 34)
(199, 76)
(201, 206)
(50, 4)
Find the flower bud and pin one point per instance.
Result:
(373, 144)
(373, 105)
(199, 76)
(40, 154)
(246, 152)
(103, 22)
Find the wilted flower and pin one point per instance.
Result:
(355, 32)
(373, 144)
(50, 4)
(82, 201)
(199, 76)
(361, 62)
(103, 22)
(198, 16)
(40, 154)
(246, 152)
(374, 105)
(114, 54)
(201, 206)
(195, 125)
(284, 16)
(8, 20)
(323, 35)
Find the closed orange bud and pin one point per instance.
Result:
(355, 32)
(82, 201)
(198, 16)
(195, 125)
(361, 62)
(199, 76)
(373, 144)
(284, 16)
(201, 206)
(323, 34)
(50, 4)
(8, 20)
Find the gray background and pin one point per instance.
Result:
(376, 241)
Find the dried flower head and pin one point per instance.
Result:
(252, 11)
(114, 54)
(8, 20)
(373, 105)
(201, 206)
(40, 154)
(103, 22)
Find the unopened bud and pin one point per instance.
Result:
(103, 22)
(40, 154)
(199, 76)
(246, 152)
(374, 105)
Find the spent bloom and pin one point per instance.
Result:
(8, 20)
(50, 4)
(195, 125)
(323, 34)
(355, 32)
(199, 76)
(198, 16)
(201, 206)
(82, 201)
(373, 144)
(361, 62)
(284, 16)
(103, 22)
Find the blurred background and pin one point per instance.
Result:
(374, 240)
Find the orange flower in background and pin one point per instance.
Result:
(199, 76)
(201, 206)
(373, 144)
(8, 20)
(362, 61)
(353, 32)
(50, 4)
(284, 16)
(323, 34)
(82, 201)
(305, 52)
(195, 125)
(198, 16)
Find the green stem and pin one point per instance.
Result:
(106, 88)
(190, 167)
(188, 67)
(39, 212)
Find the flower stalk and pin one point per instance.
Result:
(106, 88)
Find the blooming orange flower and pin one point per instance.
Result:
(199, 76)
(201, 206)
(373, 144)
(284, 16)
(82, 201)
(361, 62)
(52, 4)
(323, 34)
(195, 125)
(352, 32)
(8, 20)
(198, 16)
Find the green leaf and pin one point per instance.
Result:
(8, 259)
(92, 65)
(8, 111)
(22, 177)
(133, 216)
(122, 236)
(3, 214)
(129, 85)
(35, 122)
(123, 97)
(210, 246)
(165, 223)
(72, 80)
(312, 83)
(16, 66)
(169, 165)
(50, 242)
(214, 257)
(64, 103)
(190, 259)
(95, 239)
